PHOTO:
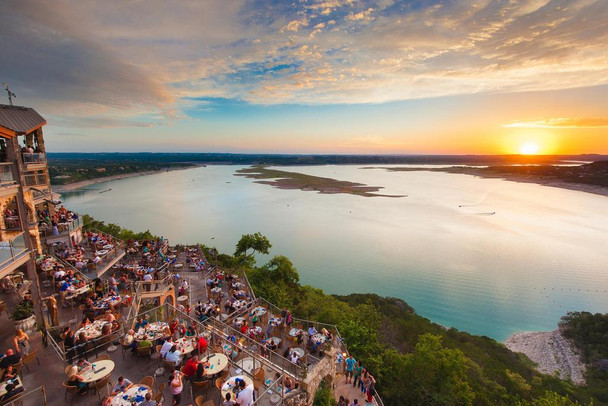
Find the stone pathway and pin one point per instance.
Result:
(350, 393)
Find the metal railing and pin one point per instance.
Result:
(92, 346)
(34, 397)
(34, 157)
(6, 174)
(12, 250)
(63, 228)
(115, 252)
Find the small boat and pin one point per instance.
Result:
(107, 190)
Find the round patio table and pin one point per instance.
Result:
(103, 368)
(217, 363)
(136, 393)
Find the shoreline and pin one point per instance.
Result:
(552, 353)
(69, 187)
(579, 187)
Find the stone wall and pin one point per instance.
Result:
(324, 370)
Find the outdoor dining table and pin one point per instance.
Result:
(238, 322)
(182, 298)
(98, 370)
(101, 253)
(294, 332)
(105, 302)
(185, 345)
(230, 385)
(108, 247)
(255, 330)
(136, 393)
(217, 363)
(299, 351)
(275, 340)
(217, 289)
(178, 265)
(154, 331)
(239, 303)
(77, 292)
(258, 311)
(92, 330)
(16, 381)
(318, 338)
(275, 321)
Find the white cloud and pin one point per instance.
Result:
(93, 60)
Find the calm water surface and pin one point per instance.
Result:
(543, 252)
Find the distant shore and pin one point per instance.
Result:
(580, 187)
(68, 187)
(551, 351)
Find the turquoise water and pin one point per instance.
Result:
(543, 252)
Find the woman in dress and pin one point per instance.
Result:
(176, 386)
(22, 342)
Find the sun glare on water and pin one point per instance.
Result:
(529, 148)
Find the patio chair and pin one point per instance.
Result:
(69, 389)
(29, 358)
(259, 374)
(200, 399)
(147, 380)
(99, 385)
(219, 382)
(199, 385)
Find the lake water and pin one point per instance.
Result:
(544, 252)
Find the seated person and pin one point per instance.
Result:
(294, 357)
(129, 340)
(167, 345)
(312, 346)
(10, 392)
(200, 372)
(312, 331)
(190, 367)
(106, 329)
(75, 379)
(141, 323)
(107, 401)
(144, 343)
(173, 355)
(109, 316)
(148, 401)
(10, 358)
(9, 373)
(122, 385)
(82, 364)
(327, 334)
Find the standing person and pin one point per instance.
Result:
(363, 381)
(176, 386)
(283, 316)
(371, 388)
(357, 375)
(22, 342)
(350, 367)
(245, 395)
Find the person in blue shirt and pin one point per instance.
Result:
(350, 367)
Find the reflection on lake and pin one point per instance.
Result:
(542, 253)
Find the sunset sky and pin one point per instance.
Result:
(326, 76)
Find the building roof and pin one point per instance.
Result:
(18, 120)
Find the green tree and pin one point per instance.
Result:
(437, 375)
(255, 242)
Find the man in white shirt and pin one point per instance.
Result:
(174, 355)
(245, 396)
(166, 347)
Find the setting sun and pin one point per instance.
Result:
(529, 148)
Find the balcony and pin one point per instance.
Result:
(65, 230)
(13, 253)
(33, 159)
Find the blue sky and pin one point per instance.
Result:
(333, 76)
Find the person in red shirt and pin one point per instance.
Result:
(202, 345)
(244, 327)
(190, 367)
